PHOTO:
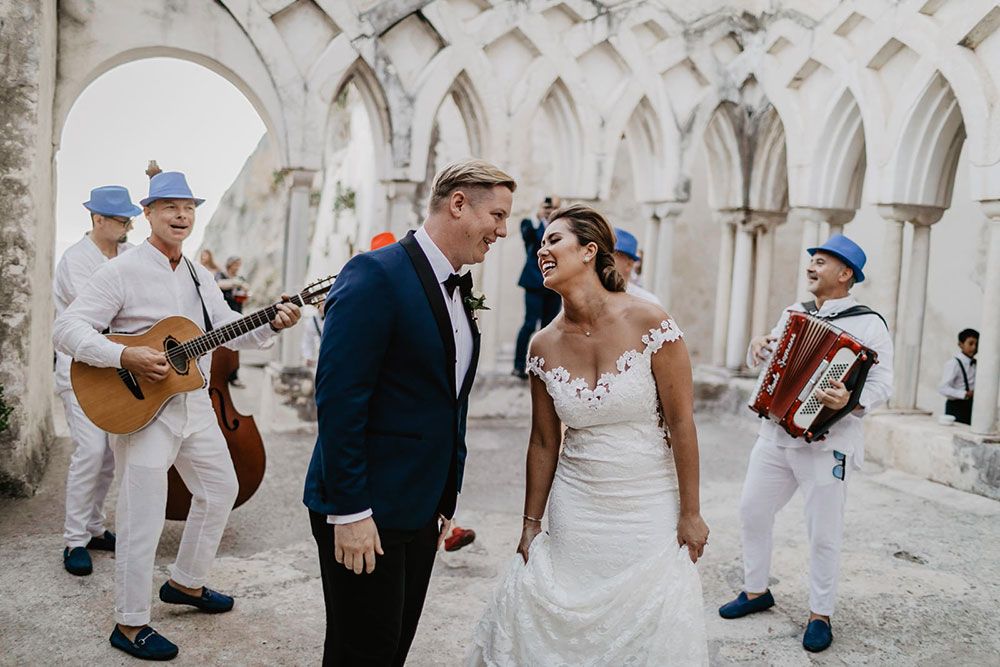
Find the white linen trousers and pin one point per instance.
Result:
(143, 459)
(773, 475)
(91, 471)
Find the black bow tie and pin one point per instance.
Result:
(462, 282)
(972, 362)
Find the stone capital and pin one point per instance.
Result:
(302, 178)
(765, 220)
(832, 216)
(729, 216)
(398, 188)
(662, 210)
(991, 207)
(917, 214)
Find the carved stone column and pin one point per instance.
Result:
(724, 282)
(813, 221)
(764, 225)
(650, 243)
(739, 304)
(295, 256)
(404, 210)
(660, 278)
(910, 328)
(984, 407)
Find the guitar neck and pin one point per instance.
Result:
(220, 336)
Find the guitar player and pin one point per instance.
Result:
(128, 295)
(780, 464)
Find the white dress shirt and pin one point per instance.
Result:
(462, 331)
(73, 272)
(846, 435)
(952, 383)
(130, 294)
(642, 293)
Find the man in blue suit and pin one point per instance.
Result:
(541, 305)
(396, 363)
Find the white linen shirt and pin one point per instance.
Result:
(952, 383)
(847, 435)
(73, 272)
(642, 293)
(442, 268)
(130, 294)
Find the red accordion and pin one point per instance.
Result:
(810, 354)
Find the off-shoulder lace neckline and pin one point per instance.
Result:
(652, 341)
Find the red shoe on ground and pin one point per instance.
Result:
(459, 537)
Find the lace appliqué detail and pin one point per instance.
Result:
(667, 332)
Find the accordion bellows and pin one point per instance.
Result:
(810, 354)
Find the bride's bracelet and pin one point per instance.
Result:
(531, 518)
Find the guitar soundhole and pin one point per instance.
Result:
(175, 356)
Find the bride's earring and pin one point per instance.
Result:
(586, 259)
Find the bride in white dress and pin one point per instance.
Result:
(613, 581)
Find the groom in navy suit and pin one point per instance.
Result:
(397, 361)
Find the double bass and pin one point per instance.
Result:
(246, 447)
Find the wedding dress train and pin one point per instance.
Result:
(608, 584)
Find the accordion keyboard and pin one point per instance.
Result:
(837, 369)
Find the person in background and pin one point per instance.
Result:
(235, 290)
(958, 381)
(207, 259)
(92, 464)
(626, 258)
(541, 305)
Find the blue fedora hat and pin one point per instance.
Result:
(845, 250)
(112, 200)
(626, 244)
(169, 185)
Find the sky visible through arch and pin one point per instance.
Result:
(183, 115)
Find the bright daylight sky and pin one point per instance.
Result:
(196, 122)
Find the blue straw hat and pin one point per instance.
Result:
(112, 200)
(845, 250)
(626, 244)
(169, 185)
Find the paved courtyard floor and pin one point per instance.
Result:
(921, 568)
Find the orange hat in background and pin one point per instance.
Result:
(382, 240)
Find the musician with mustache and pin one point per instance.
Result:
(780, 464)
(130, 294)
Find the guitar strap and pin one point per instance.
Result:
(197, 288)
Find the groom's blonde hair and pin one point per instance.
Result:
(473, 176)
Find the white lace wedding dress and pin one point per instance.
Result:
(607, 585)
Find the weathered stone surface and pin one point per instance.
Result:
(27, 81)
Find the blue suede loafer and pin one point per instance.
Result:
(742, 605)
(105, 542)
(148, 644)
(77, 561)
(210, 602)
(818, 636)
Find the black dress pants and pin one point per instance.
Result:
(371, 618)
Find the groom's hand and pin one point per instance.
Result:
(355, 545)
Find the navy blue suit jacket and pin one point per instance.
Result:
(531, 275)
(391, 428)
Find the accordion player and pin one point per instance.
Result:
(810, 353)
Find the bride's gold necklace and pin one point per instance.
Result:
(584, 331)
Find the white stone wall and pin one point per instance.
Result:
(714, 126)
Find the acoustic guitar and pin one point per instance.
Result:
(119, 402)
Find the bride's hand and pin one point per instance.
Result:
(693, 532)
(529, 532)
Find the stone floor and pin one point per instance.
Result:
(921, 568)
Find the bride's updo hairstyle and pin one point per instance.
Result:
(589, 226)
